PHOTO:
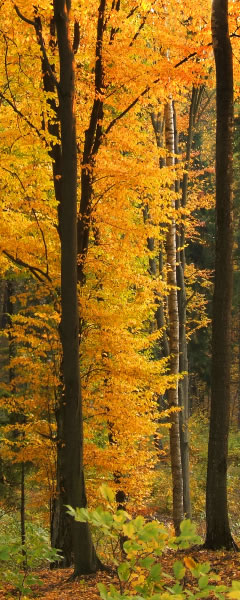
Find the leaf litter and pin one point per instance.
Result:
(56, 584)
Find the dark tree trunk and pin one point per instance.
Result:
(68, 535)
(218, 531)
(92, 143)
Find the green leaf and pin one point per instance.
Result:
(103, 591)
(221, 588)
(101, 518)
(203, 581)
(155, 572)
(187, 527)
(139, 523)
(201, 569)
(236, 585)
(33, 580)
(203, 593)
(124, 571)
(179, 569)
(131, 546)
(82, 515)
(129, 529)
(147, 535)
(177, 588)
(70, 510)
(235, 590)
(121, 517)
(4, 553)
(146, 562)
(107, 493)
(188, 534)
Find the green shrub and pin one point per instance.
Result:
(17, 562)
(137, 546)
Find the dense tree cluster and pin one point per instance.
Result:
(107, 256)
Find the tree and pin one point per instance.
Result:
(73, 540)
(175, 450)
(71, 488)
(218, 530)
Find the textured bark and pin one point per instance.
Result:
(175, 452)
(193, 111)
(158, 123)
(183, 397)
(218, 531)
(92, 143)
(68, 535)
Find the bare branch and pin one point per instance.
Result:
(142, 24)
(36, 271)
(181, 62)
(22, 16)
(14, 175)
(129, 107)
(20, 114)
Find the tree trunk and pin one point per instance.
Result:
(218, 531)
(175, 452)
(22, 514)
(69, 535)
(238, 396)
(92, 143)
(183, 351)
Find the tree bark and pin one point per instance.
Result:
(183, 350)
(92, 143)
(238, 396)
(22, 515)
(218, 530)
(158, 123)
(175, 451)
(68, 535)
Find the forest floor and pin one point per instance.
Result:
(56, 584)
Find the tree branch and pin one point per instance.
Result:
(38, 29)
(128, 108)
(43, 239)
(36, 271)
(20, 114)
(22, 16)
(76, 37)
(142, 24)
(181, 62)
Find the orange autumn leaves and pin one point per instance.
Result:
(120, 379)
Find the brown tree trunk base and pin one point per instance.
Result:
(99, 566)
(215, 542)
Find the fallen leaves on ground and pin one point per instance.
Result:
(57, 585)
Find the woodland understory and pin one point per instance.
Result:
(119, 299)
